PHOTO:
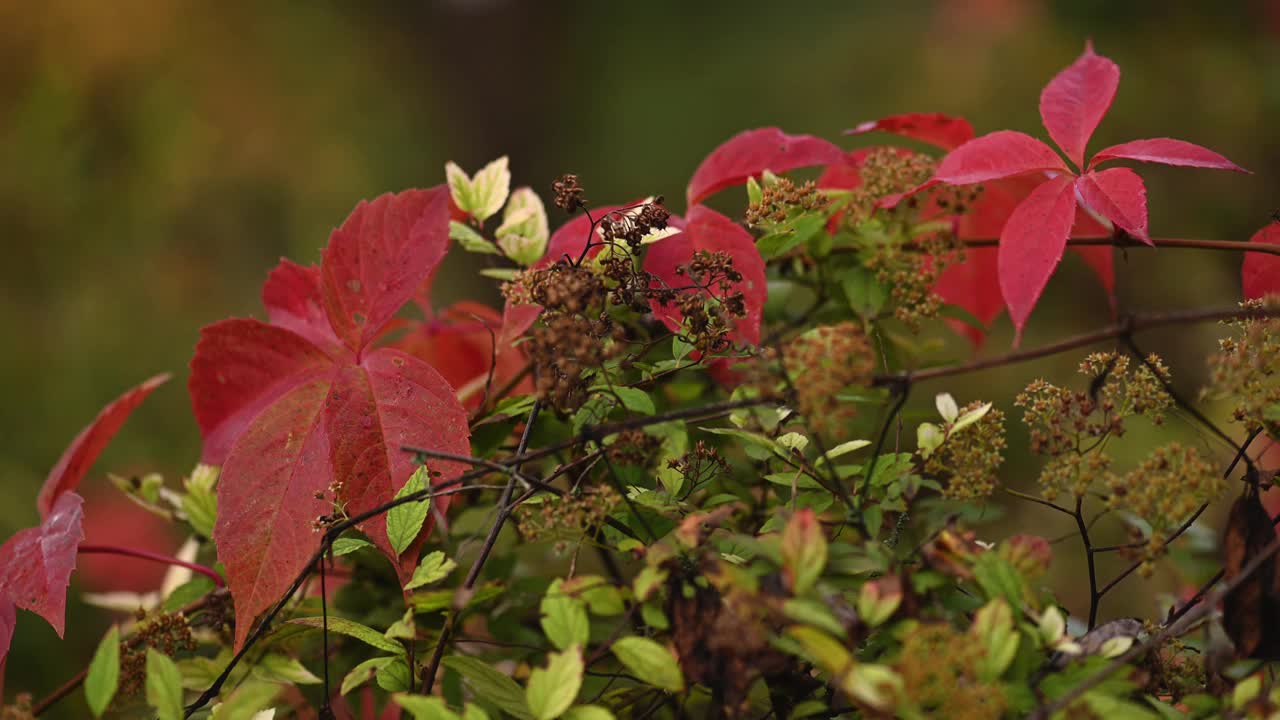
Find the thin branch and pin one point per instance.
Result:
(90, 549)
(1094, 596)
(1131, 324)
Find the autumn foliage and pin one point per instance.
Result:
(668, 477)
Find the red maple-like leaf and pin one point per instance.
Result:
(1071, 106)
(462, 342)
(1260, 274)
(36, 565)
(707, 230)
(290, 414)
(750, 153)
(89, 444)
(968, 283)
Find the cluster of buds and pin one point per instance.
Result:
(911, 273)
(568, 517)
(940, 669)
(1061, 419)
(1245, 369)
(821, 363)
(781, 200)
(1166, 488)
(966, 450)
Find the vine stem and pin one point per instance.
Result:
(1094, 596)
(90, 549)
(1129, 243)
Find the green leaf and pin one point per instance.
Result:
(164, 686)
(929, 437)
(650, 662)
(481, 196)
(393, 676)
(588, 712)
(500, 273)
(866, 296)
(754, 192)
(470, 240)
(804, 550)
(424, 707)
(248, 702)
(187, 593)
(200, 503)
(490, 684)
(636, 400)
(277, 668)
(843, 448)
(564, 618)
(998, 579)
(821, 649)
(103, 676)
(993, 627)
(814, 613)
(353, 629)
(363, 673)
(971, 417)
(404, 522)
(474, 712)
(647, 580)
(553, 689)
(433, 568)
(347, 545)
(601, 597)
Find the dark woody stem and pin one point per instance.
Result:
(88, 549)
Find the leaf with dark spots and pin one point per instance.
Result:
(750, 153)
(241, 367)
(377, 261)
(708, 230)
(1249, 611)
(89, 444)
(298, 429)
(36, 563)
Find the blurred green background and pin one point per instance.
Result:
(158, 156)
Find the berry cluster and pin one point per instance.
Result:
(168, 633)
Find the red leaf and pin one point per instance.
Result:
(1031, 246)
(460, 343)
(8, 621)
(1000, 154)
(708, 230)
(294, 300)
(567, 242)
(240, 368)
(285, 419)
(944, 131)
(968, 285)
(1074, 101)
(750, 153)
(89, 444)
(1168, 152)
(1118, 195)
(1260, 274)
(36, 563)
(379, 259)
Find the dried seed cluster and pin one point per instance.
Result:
(169, 633)
(939, 669)
(710, 304)
(1164, 490)
(634, 447)
(699, 466)
(783, 200)
(1247, 370)
(966, 463)
(569, 194)
(822, 362)
(631, 226)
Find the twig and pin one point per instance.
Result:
(90, 549)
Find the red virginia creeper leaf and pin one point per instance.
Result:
(1118, 195)
(750, 153)
(1166, 151)
(36, 563)
(89, 444)
(1074, 101)
(944, 131)
(708, 230)
(379, 259)
(1031, 246)
(241, 367)
(968, 285)
(1260, 274)
(8, 622)
(1001, 154)
(294, 300)
(460, 343)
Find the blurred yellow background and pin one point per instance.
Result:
(158, 156)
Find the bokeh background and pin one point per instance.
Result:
(158, 156)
